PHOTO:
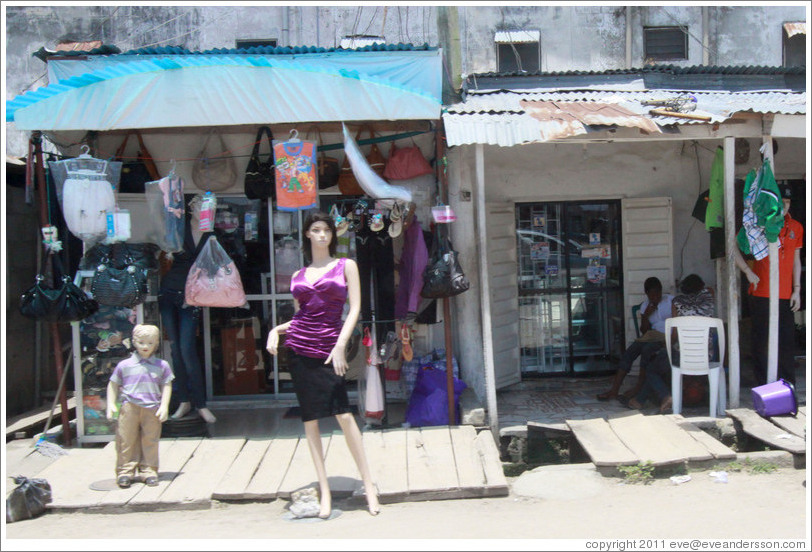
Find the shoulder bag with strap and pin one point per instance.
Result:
(260, 181)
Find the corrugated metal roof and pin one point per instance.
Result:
(276, 50)
(796, 27)
(499, 118)
(562, 119)
(673, 69)
(103, 50)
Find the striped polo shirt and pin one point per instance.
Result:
(140, 380)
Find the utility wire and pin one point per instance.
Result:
(684, 29)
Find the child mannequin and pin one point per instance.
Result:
(144, 385)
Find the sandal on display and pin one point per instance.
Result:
(396, 221)
(376, 222)
(406, 342)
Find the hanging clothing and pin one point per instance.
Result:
(376, 268)
(413, 261)
(790, 238)
(296, 175)
(714, 214)
(762, 219)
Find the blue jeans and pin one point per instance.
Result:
(181, 325)
(645, 351)
(657, 385)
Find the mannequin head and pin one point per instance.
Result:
(145, 339)
(323, 223)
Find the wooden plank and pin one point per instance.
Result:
(174, 455)
(119, 497)
(342, 472)
(301, 472)
(39, 415)
(792, 424)
(470, 472)
(23, 459)
(669, 430)
(438, 447)
(386, 455)
(761, 429)
(233, 484)
(601, 444)
(644, 440)
(424, 472)
(495, 482)
(71, 475)
(264, 485)
(202, 472)
(716, 448)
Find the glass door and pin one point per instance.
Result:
(570, 286)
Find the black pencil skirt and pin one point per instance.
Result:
(320, 392)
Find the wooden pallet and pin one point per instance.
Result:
(632, 438)
(411, 464)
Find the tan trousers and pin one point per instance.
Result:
(137, 436)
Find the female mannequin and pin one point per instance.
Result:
(181, 321)
(317, 337)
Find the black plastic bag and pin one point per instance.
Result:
(443, 275)
(28, 499)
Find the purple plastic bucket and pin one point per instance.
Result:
(775, 399)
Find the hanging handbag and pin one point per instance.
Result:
(136, 173)
(214, 174)
(260, 175)
(122, 254)
(347, 183)
(214, 280)
(443, 275)
(66, 303)
(405, 163)
(329, 168)
(116, 287)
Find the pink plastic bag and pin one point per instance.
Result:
(214, 280)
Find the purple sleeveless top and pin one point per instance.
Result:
(315, 327)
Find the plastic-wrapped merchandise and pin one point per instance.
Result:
(167, 213)
(286, 262)
(214, 280)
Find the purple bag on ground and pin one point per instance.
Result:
(428, 405)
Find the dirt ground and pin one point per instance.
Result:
(750, 506)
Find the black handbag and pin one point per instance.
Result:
(116, 287)
(136, 173)
(120, 255)
(260, 176)
(443, 275)
(66, 303)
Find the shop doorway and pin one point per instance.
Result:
(570, 286)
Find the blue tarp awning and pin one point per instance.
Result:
(121, 92)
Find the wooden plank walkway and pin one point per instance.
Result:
(431, 463)
(632, 438)
(766, 430)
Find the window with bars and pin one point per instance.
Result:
(794, 47)
(518, 50)
(665, 43)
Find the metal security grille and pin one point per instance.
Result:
(665, 43)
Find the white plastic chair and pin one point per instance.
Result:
(693, 334)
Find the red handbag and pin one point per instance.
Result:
(405, 163)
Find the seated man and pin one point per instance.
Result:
(655, 309)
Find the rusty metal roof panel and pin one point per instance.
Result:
(501, 117)
(795, 27)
